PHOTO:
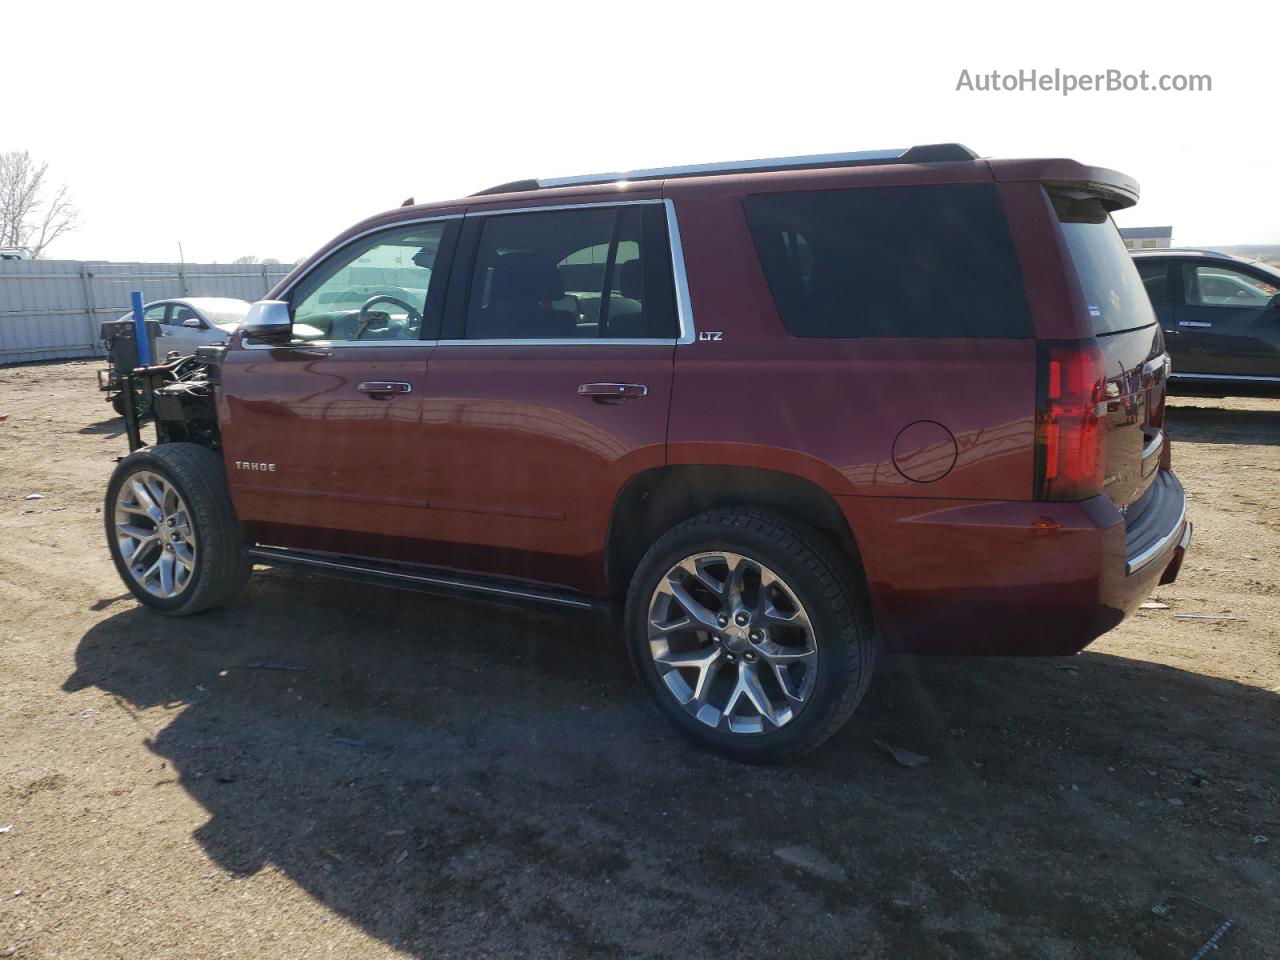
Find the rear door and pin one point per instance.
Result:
(551, 386)
(1227, 322)
(323, 436)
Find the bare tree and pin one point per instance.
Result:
(247, 258)
(32, 213)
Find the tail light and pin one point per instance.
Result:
(1069, 429)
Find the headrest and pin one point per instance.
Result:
(526, 276)
(631, 279)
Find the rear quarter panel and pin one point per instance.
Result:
(831, 410)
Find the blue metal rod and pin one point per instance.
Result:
(140, 331)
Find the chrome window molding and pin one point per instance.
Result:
(679, 275)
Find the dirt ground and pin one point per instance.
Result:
(326, 769)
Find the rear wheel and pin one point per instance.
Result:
(172, 530)
(750, 634)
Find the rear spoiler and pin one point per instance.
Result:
(1116, 190)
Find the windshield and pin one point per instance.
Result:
(1113, 290)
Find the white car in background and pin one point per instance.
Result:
(177, 326)
(188, 322)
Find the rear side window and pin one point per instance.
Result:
(1155, 278)
(927, 261)
(586, 274)
(1113, 291)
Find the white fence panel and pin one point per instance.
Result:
(52, 309)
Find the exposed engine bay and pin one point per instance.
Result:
(179, 396)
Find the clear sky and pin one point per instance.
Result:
(263, 128)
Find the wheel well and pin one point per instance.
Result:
(655, 501)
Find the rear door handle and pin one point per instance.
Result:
(613, 392)
(384, 389)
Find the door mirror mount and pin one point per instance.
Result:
(268, 320)
(1275, 302)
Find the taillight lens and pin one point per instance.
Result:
(1069, 429)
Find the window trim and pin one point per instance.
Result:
(462, 260)
(680, 279)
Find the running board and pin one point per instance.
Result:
(428, 580)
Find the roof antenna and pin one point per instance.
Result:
(408, 203)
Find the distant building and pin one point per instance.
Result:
(1147, 238)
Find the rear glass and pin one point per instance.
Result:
(923, 261)
(1113, 291)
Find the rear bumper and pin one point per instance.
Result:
(1014, 578)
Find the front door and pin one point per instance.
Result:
(1226, 323)
(323, 435)
(186, 330)
(551, 388)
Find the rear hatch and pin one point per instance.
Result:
(1133, 365)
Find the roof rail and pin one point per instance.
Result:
(927, 153)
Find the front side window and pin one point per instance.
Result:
(912, 261)
(374, 290)
(594, 273)
(182, 314)
(1211, 285)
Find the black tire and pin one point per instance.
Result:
(117, 404)
(827, 585)
(221, 565)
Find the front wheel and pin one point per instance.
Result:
(750, 634)
(172, 530)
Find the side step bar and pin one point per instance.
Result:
(437, 582)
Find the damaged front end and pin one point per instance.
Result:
(178, 396)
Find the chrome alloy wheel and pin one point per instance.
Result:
(732, 643)
(154, 533)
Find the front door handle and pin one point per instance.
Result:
(613, 392)
(384, 389)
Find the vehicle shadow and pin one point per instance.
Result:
(1207, 424)
(111, 427)
(462, 781)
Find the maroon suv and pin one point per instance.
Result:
(767, 414)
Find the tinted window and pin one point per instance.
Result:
(1114, 293)
(375, 289)
(1212, 285)
(572, 274)
(929, 261)
(1155, 278)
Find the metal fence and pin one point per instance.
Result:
(52, 309)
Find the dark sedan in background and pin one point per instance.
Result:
(1220, 314)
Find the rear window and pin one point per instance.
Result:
(926, 261)
(1113, 290)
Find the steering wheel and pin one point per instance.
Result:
(363, 319)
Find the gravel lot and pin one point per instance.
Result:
(326, 769)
